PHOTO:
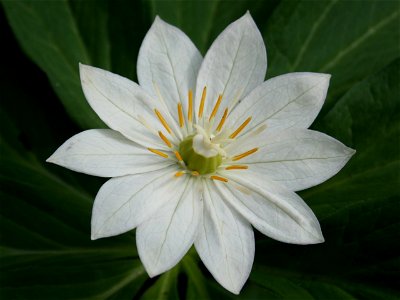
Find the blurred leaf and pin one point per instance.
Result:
(128, 22)
(48, 33)
(92, 22)
(348, 39)
(166, 287)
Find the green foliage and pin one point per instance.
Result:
(46, 252)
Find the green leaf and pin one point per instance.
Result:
(92, 22)
(48, 33)
(348, 39)
(128, 22)
(166, 286)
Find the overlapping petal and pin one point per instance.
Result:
(274, 210)
(125, 202)
(225, 241)
(168, 64)
(295, 158)
(233, 66)
(122, 105)
(165, 238)
(106, 153)
(288, 101)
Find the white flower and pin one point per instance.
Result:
(203, 167)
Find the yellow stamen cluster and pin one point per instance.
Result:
(219, 127)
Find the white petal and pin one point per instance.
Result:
(125, 202)
(225, 241)
(296, 158)
(122, 105)
(168, 61)
(272, 209)
(287, 101)
(234, 65)
(106, 153)
(165, 238)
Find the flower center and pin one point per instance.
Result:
(200, 154)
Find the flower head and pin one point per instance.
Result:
(203, 150)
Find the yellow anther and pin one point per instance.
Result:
(203, 99)
(247, 153)
(164, 138)
(162, 154)
(180, 114)
(178, 156)
(221, 123)
(162, 120)
(216, 106)
(215, 177)
(236, 167)
(241, 127)
(179, 173)
(195, 173)
(190, 112)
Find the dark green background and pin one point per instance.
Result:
(46, 251)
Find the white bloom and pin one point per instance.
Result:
(201, 168)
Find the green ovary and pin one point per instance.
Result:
(195, 161)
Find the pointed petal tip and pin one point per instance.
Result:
(233, 289)
(158, 20)
(150, 272)
(318, 238)
(50, 159)
(326, 76)
(83, 70)
(249, 17)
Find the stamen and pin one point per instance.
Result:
(164, 138)
(216, 106)
(179, 173)
(162, 154)
(190, 112)
(247, 153)
(195, 173)
(203, 99)
(178, 156)
(221, 123)
(215, 177)
(180, 114)
(162, 120)
(241, 127)
(236, 167)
